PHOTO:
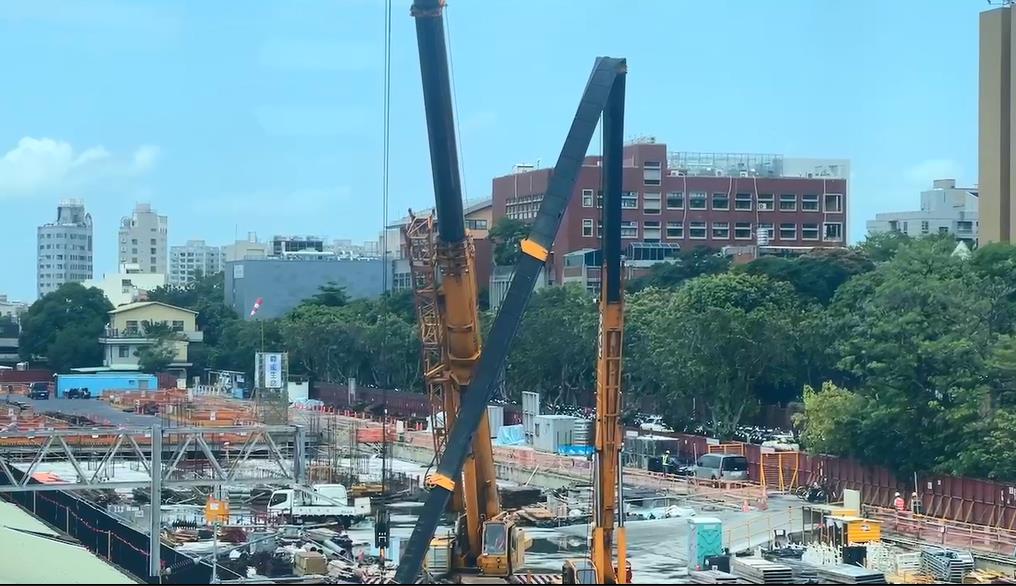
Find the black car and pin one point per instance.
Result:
(38, 391)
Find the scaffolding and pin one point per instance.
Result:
(422, 250)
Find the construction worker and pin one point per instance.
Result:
(899, 504)
(915, 503)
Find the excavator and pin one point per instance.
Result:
(464, 477)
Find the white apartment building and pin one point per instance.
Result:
(64, 252)
(127, 285)
(186, 261)
(945, 209)
(249, 249)
(143, 239)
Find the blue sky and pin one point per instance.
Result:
(266, 116)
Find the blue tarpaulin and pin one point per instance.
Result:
(570, 450)
(511, 435)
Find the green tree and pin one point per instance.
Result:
(690, 263)
(241, 339)
(882, 246)
(831, 420)
(65, 326)
(205, 295)
(506, 233)
(156, 357)
(330, 294)
(816, 275)
(554, 352)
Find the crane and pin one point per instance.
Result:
(467, 455)
(453, 308)
(608, 488)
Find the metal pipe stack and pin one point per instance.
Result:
(846, 574)
(760, 571)
(947, 564)
(712, 577)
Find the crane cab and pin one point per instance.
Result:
(504, 547)
(581, 571)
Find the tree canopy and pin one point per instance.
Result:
(64, 326)
(505, 234)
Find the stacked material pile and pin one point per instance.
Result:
(760, 571)
(820, 554)
(947, 564)
(803, 571)
(844, 574)
(712, 577)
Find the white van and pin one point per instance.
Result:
(722, 467)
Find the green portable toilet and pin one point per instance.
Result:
(705, 538)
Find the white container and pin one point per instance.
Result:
(584, 432)
(530, 409)
(495, 414)
(553, 431)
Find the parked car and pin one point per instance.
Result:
(76, 393)
(38, 391)
(722, 467)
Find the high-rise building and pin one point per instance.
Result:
(996, 169)
(186, 261)
(65, 248)
(672, 200)
(143, 239)
(945, 209)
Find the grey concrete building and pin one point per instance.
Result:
(945, 209)
(64, 248)
(186, 261)
(282, 284)
(142, 240)
(249, 249)
(996, 173)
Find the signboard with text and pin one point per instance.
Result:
(271, 370)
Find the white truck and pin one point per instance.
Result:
(320, 503)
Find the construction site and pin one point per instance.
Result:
(195, 485)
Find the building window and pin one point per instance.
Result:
(630, 200)
(765, 231)
(470, 224)
(966, 227)
(651, 173)
(152, 252)
(788, 202)
(587, 227)
(788, 231)
(833, 231)
(675, 230)
(153, 241)
(721, 230)
(809, 203)
(599, 228)
(809, 231)
(177, 325)
(651, 203)
(587, 198)
(697, 200)
(742, 231)
(599, 198)
(943, 230)
(697, 230)
(742, 201)
(924, 226)
(123, 351)
(153, 261)
(675, 200)
(629, 229)
(833, 202)
(765, 202)
(906, 228)
(721, 201)
(134, 240)
(651, 231)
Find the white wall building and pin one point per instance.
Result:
(945, 209)
(64, 252)
(127, 285)
(142, 239)
(186, 261)
(249, 249)
(11, 309)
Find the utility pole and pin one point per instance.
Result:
(155, 508)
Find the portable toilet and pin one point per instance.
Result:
(705, 538)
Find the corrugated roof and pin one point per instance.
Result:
(34, 554)
(139, 304)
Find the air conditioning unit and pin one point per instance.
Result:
(718, 172)
(743, 173)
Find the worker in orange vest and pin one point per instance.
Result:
(899, 503)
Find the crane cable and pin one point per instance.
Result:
(384, 215)
(455, 107)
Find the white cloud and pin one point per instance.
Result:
(922, 174)
(145, 157)
(39, 166)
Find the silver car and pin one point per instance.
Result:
(722, 467)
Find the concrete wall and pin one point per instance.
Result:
(283, 284)
(505, 471)
(105, 381)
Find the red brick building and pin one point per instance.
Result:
(681, 200)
